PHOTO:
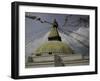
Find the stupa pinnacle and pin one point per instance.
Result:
(54, 35)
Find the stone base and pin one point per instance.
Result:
(50, 61)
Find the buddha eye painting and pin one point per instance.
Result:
(56, 40)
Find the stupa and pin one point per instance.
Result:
(54, 44)
(55, 52)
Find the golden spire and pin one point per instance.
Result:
(54, 35)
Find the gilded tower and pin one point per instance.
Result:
(54, 44)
